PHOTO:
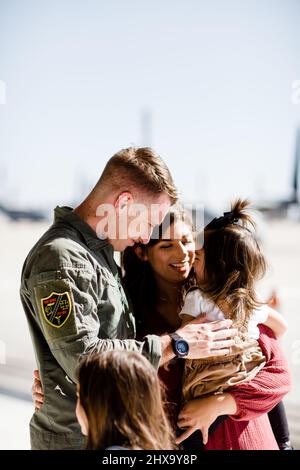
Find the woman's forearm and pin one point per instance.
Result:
(226, 404)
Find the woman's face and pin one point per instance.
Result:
(199, 265)
(172, 258)
(81, 415)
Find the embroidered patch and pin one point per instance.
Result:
(57, 308)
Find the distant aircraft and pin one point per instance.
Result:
(16, 215)
(283, 208)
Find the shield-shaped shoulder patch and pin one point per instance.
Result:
(57, 308)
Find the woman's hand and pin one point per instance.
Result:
(202, 412)
(37, 391)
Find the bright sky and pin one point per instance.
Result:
(216, 77)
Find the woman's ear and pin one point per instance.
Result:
(141, 253)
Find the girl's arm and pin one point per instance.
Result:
(276, 322)
(185, 318)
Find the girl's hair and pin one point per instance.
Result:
(139, 277)
(233, 262)
(120, 394)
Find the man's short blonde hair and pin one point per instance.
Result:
(139, 169)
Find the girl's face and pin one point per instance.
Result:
(172, 258)
(81, 415)
(199, 265)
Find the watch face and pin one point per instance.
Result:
(182, 347)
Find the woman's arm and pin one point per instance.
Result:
(246, 401)
(202, 412)
(268, 387)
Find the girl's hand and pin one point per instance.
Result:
(202, 412)
(37, 391)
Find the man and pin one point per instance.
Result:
(73, 297)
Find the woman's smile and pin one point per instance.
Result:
(182, 266)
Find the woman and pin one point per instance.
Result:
(157, 276)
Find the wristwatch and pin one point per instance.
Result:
(180, 346)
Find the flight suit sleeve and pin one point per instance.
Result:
(67, 303)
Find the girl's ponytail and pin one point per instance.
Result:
(240, 214)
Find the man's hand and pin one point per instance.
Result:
(205, 339)
(37, 391)
(208, 339)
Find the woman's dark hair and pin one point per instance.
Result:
(120, 394)
(139, 279)
(233, 262)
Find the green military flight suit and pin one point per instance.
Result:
(75, 304)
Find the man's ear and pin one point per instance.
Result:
(123, 199)
(141, 253)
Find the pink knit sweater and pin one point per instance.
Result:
(250, 429)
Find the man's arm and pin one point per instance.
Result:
(66, 303)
